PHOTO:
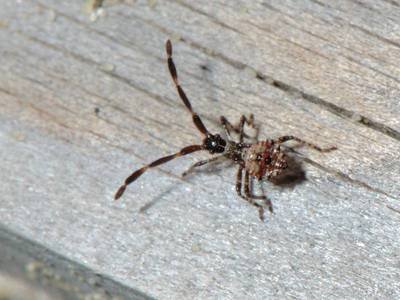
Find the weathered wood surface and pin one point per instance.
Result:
(325, 71)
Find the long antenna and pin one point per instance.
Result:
(171, 66)
(135, 175)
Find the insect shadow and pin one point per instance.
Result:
(156, 199)
(293, 175)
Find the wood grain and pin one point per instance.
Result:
(84, 103)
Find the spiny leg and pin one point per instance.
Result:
(250, 198)
(239, 127)
(262, 197)
(201, 163)
(239, 181)
(227, 126)
(265, 199)
(250, 122)
(286, 138)
(135, 175)
(174, 74)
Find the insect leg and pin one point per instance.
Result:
(250, 198)
(239, 127)
(227, 126)
(239, 181)
(286, 138)
(265, 199)
(201, 163)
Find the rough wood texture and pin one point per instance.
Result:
(84, 103)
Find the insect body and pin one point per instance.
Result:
(259, 160)
(264, 159)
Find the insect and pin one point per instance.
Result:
(258, 160)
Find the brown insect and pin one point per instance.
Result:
(260, 160)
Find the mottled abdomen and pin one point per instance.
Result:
(264, 159)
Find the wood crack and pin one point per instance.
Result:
(214, 20)
(291, 90)
(377, 36)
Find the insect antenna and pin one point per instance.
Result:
(135, 175)
(174, 74)
(211, 143)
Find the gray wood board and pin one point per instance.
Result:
(85, 103)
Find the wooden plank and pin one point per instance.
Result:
(85, 103)
(344, 61)
(31, 271)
